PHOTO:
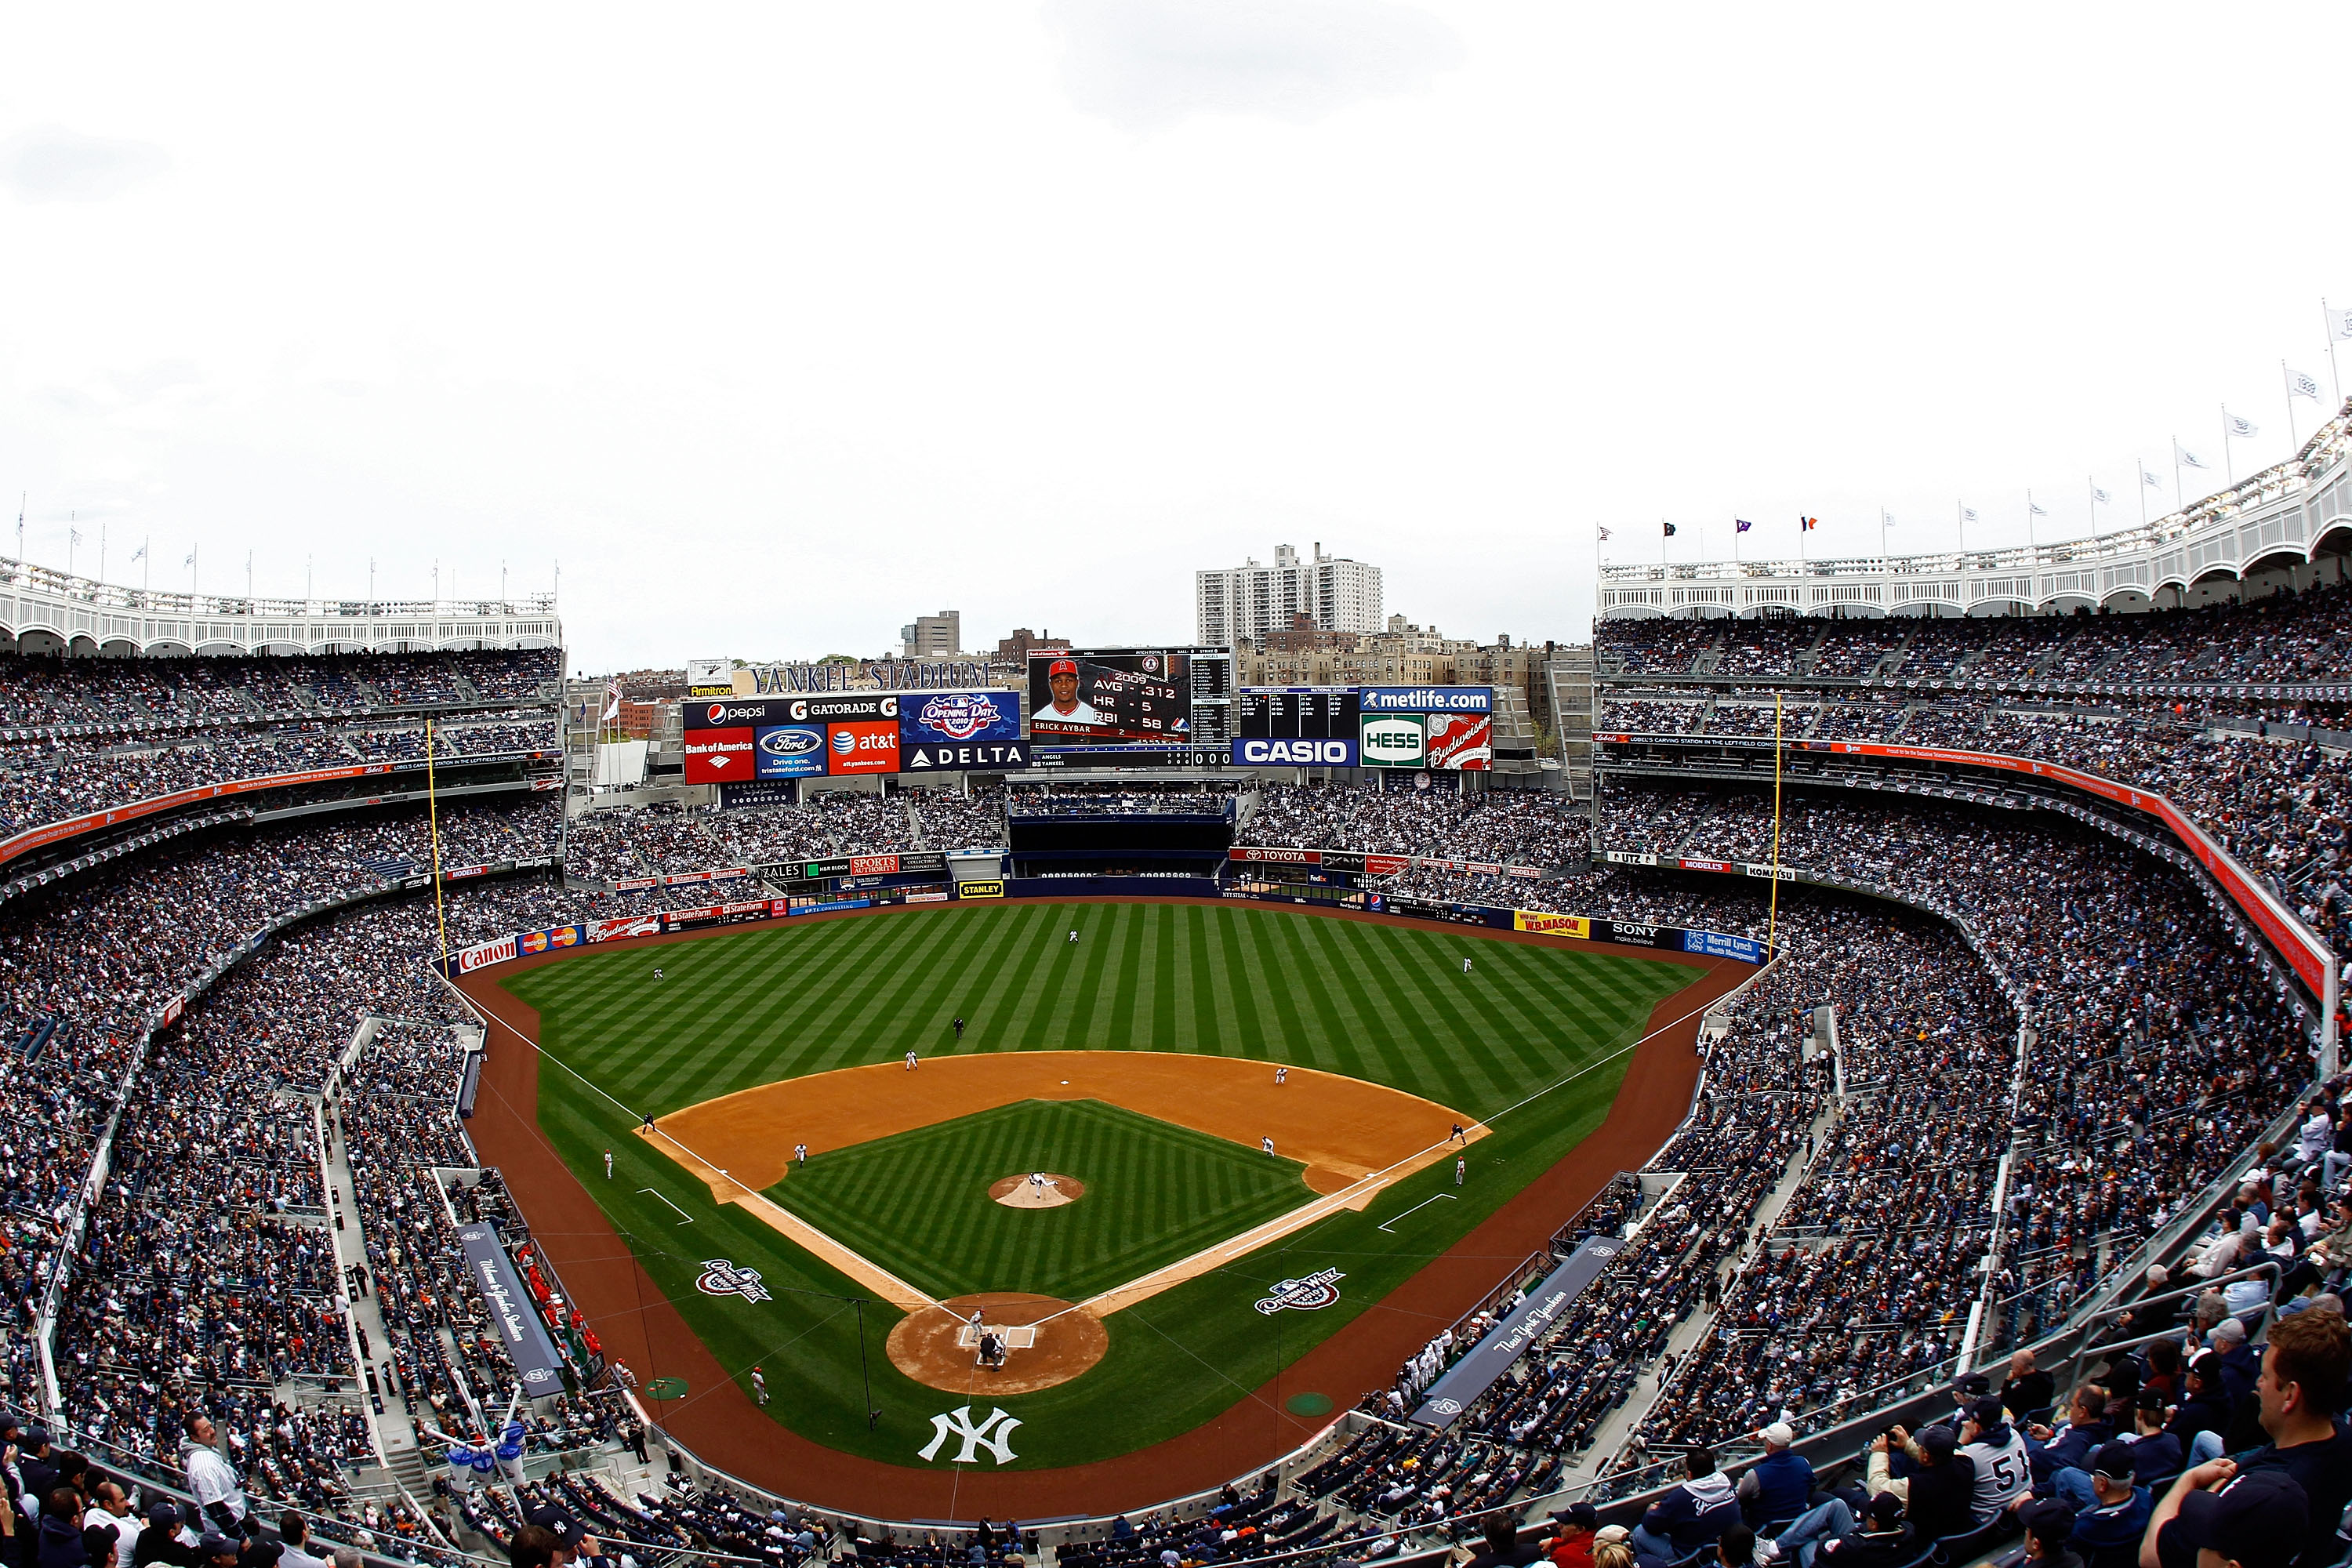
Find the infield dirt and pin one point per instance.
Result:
(638, 1326)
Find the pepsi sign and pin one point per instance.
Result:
(789, 752)
(1277, 753)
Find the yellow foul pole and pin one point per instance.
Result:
(1772, 920)
(432, 821)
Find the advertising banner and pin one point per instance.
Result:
(518, 1325)
(469, 959)
(549, 940)
(1552, 924)
(864, 747)
(981, 756)
(1715, 945)
(1273, 752)
(788, 750)
(1109, 695)
(717, 756)
(978, 888)
(959, 718)
(848, 707)
(1634, 933)
(710, 677)
(1274, 856)
(632, 925)
(1395, 741)
(1427, 699)
(831, 905)
(1507, 1341)
(1461, 743)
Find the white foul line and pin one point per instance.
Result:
(683, 1217)
(1416, 1209)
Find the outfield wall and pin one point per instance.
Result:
(1578, 928)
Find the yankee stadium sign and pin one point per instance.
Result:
(1313, 1293)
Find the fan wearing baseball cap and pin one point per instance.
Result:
(1067, 708)
(2230, 1507)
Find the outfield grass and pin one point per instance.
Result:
(917, 1203)
(1386, 1003)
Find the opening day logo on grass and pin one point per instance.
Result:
(721, 1278)
(1317, 1290)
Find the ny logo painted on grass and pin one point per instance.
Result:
(957, 1424)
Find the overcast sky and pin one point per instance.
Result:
(777, 325)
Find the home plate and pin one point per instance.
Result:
(1016, 1336)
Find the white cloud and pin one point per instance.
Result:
(1147, 64)
(51, 164)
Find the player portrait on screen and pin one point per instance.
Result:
(1067, 707)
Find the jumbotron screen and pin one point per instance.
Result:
(1090, 694)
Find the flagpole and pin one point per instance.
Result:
(2177, 504)
(2031, 549)
(2327, 328)
(2140, 484)
(2229, 463)
(2286, 390)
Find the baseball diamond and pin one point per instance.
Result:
(757, 1042)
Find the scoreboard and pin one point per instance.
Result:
(1298, 713)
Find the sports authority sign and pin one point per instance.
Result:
(721, 1278)
(1311, 1294)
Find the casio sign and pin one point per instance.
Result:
(1295, 753)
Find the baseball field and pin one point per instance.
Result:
(1134, 1068)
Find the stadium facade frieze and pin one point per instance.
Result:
(2282, 517)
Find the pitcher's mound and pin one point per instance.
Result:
(1020, 1193)
(935, 1345)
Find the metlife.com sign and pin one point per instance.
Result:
(1428, 700)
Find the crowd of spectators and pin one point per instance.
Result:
(2286, 639)
(126, 694)
(1023, 798)
(947, 820)
(1515, 827)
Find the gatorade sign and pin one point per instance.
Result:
(1395, 740)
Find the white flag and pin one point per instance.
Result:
(2034, 509)
(2100, 496)
(1968, 514)
(2187, 459)
(190, 561)
(611, 699)
(2339, 323)
(1885, 518)
(2301, 385)
(1605, 534)
(2150, 480)
(2241, 428)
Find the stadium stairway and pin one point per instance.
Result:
(395, 1442)
(1621, 1423)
